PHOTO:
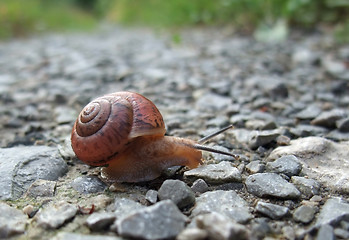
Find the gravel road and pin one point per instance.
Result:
(288, 103)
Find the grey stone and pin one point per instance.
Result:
(302, 130)
(215, 173)
(310, 112)
(288, 232)
(273, 211)
(79, 236)
(12, 221)
(343, 125)
(260, 227)
(338, 136)
(99, 221)
(151, 196)
(227, 203)
(308, 187)
(177, 191)
(64, 114)
(255, 167)
(322, 159)
(212, 101)
(271, 185)
(42, 188)
(88, 184)
(333, 211)
(192, 234)
(341, 233)
(124, 206)
(325, 233)
(221, 227)
(288, 165)
(262, 138)
(304, 214)
(241, 135)
(160, 221)
(199, 186)
(21, 166)
(221, 157)
(328, 119)
(335, 67)
(303, 56)
(55, 215)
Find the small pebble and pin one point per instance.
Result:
(215, 173)
(100, 221)
(272, 210)
(304, 214)
(177, 191)
(271, 185)
(192, 234)
(199, 186)
(151, 196)
(88, 184)
(255, 167)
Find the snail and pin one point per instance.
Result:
(126, 132)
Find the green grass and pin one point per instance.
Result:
(22, 17)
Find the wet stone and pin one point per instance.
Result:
(271, 185)
(199, 186)
(288, 165)
(272, 211)
(328, 119)
(177, 191)
(151, 196)
(42, 188)
(219, 226)
(255, 167)
(55, 215)
(308, 187)
(12, 221)
(88, 184)
(100, 221)
(227, 203)
(262, 138)
(304, 214)
(162, 220)
(24, 165)
(215, 173)
(333, 211)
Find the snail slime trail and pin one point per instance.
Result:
(126, 132)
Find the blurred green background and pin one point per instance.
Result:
(262, 18)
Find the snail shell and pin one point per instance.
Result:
(109, 123)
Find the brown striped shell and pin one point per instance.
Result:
(109, 123)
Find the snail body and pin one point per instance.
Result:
(126, 132)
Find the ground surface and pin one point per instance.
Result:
(288, 102)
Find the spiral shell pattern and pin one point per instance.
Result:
(109, 123)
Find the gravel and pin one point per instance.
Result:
(271, 185)
(288, 103)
